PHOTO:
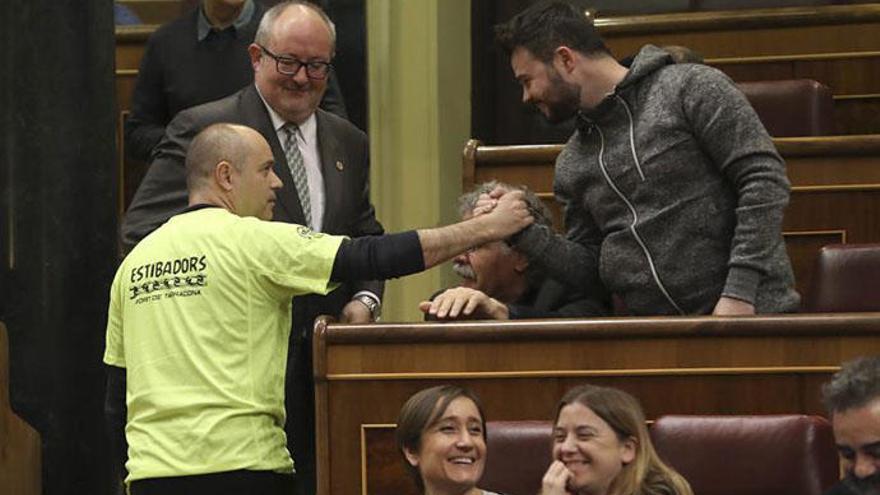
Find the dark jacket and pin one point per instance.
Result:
(179, 71)
(344, 164)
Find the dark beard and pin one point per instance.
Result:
(566, 99)
(864, 486)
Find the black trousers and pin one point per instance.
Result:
(300, 405)
(225, 483)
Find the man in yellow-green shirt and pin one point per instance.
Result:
(200, 313)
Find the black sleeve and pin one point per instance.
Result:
(362, 214)
(555, 300)
(145, 125)
(576, 309)
(162, 192)
(141, 137)
(115, 414)
(378, 257)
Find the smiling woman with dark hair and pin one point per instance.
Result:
(441, 432)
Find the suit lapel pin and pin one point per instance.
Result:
(339, 166)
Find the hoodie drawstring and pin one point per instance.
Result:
(632, 136)
(632, 209)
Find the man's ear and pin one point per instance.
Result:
(411, 457)
(521, 263)
(256, 54)
(223, 175)
(564, 59)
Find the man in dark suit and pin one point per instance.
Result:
(290, 57)
(198, 57)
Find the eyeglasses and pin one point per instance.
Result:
(290, 66)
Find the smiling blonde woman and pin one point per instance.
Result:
(601, 446)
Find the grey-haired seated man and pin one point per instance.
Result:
(500, 282)
(852, 398)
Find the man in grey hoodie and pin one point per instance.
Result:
(672, 189)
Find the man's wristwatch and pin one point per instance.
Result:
(371, 303)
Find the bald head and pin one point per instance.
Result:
(302, 11)
(231, 166)
(217, 143)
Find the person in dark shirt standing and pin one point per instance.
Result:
(199, 57)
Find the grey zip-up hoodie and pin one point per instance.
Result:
(673, 195)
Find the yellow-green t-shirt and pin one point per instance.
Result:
(200, 316)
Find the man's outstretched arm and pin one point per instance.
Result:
(396, 255)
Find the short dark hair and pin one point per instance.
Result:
(856, 384)
(421, 411)
(547, 25)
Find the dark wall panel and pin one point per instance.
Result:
(58, 227)
(816, 29)
(351, 57)
(498, 114)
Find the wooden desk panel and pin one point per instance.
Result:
(697, 365)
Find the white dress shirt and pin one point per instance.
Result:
(307, 141)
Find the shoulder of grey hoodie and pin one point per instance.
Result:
(731, 133)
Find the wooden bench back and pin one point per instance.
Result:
(20, 455)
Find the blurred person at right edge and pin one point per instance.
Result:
(852, 399)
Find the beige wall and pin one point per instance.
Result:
(419, 92)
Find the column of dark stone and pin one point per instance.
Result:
(59, 227)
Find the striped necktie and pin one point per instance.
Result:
(297, 170)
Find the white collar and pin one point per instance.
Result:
(308, 130)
